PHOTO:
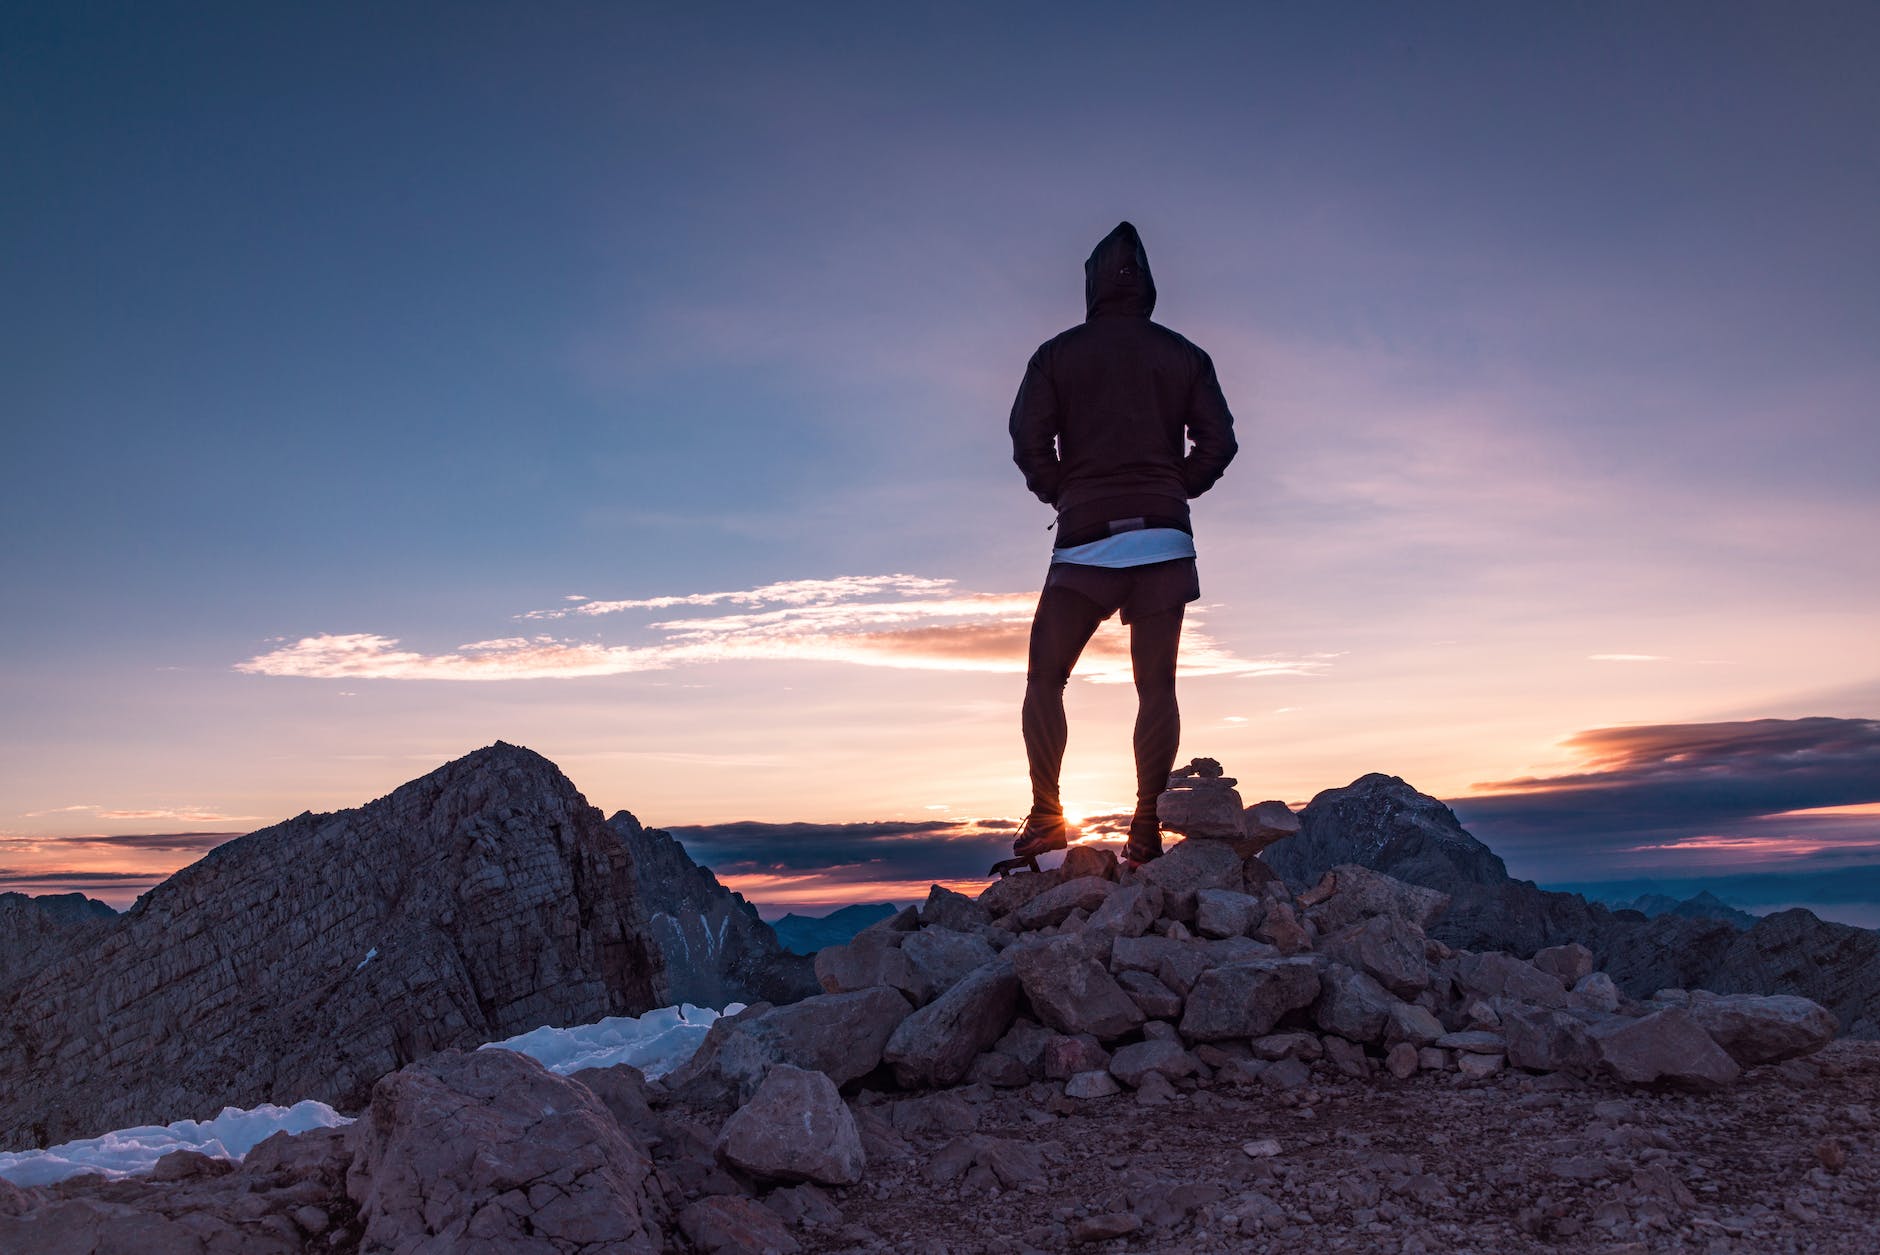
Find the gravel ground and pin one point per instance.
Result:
(1784, 1161)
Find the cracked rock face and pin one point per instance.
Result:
(309, 959)
(493, 1149)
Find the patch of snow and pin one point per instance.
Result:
(371, 954)
(126, 1151)
(655, 1043)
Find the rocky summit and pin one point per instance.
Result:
(1194, 1055)
(309, 959)
(713, 946)
(1190, 1056)
(1382, 823)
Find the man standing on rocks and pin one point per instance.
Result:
(1102, 429)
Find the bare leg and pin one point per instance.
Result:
(1154, 640)
(1062, 626)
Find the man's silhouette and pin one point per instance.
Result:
(1101, 428)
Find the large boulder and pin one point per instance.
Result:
(1008, 893)
(869, 960)
(1248, 999)
(936, 1045)
(489, 1150)
(1198, 806)
(1668, 1046)
(1071, 991)
(795, 1128)
(940, 958)
(1546, 1040)
(839, 1035)
(1755, 1029)
(1351, 1004)
(1389, 948)
(1267, 822)
(1128, 912)
(1498, 975)
(1085, 893)
(1189, 867)
(947, 909)
(1349, 892)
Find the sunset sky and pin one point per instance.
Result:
(630, 383)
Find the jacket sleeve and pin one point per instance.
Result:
(1211, 427)
(1034, 431)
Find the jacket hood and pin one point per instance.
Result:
(1117, 278)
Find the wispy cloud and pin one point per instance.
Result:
(1625, 658)
(902, 621)
(184, 814)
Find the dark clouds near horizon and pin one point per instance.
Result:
(844, 853)
(1652, 792)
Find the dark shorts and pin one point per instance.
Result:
(1135, 590)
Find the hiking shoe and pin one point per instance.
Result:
(1145, 840)
(1041, 833)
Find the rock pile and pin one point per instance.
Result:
(1198, 977)
(1201, 802)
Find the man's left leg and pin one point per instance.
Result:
(1154, 641)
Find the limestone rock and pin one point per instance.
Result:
(1348, 893)
(1085, 893)
(730, 1225)
(474, 903)
(1157, 1000)
(1088, 860)
(795, 1128)
(1189, 867)
(1351, 1004)
(1092, 1085)
(1226, 912)
(1497, 975)
(940, 958)
(1383, 823)
(1756, 1029)
(947, 909)
(1547, 1041)
(1281, 928)
(1128, 912)
(1200, 806)
(1072, 992)
(1571, 963)
(444, 1141)
(1402, 1060)
(1388, 948)
(1595, 992)
(1247, 999)
(1065, 1055)
(1008, 893)
(839, 1035)
(1668, 1045)
(1267, 822)
(712, 944)
(936, 1045)
(1133, 1062)
(864, 963)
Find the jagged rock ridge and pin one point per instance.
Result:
(36, 930)
(1380, 822)
(715, 948)
(309, 959)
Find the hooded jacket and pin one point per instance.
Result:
(1105, 414)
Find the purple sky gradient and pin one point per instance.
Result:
(1549, 333)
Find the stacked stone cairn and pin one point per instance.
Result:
(1199, 969)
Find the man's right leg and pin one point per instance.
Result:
(1062, 626)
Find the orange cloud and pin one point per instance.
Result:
(926, 625)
